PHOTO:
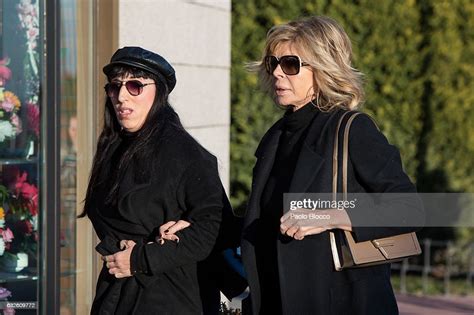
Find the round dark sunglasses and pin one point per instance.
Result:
(134, 87)
(290, 64)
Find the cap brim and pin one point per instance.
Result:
(138, 65)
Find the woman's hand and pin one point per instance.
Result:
(119, 263)
(168, 230)
(301, 222)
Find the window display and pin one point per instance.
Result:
(20, 73)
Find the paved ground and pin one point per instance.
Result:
(421, 305)
(415, 305)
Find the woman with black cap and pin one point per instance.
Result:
(148, 171)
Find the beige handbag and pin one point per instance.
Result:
(345, 251)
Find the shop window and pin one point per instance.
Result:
(20, 109)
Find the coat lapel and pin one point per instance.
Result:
(265, 154)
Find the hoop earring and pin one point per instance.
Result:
(317, 101)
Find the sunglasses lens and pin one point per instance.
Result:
(271, 62)
(290, 65)
(112, 89)
(134, 87)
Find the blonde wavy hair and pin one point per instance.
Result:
(325, 46)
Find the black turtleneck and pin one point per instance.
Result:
(294, 130)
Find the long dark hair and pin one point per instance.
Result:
(143, 146)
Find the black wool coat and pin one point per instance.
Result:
(309, 283)
(182, 183)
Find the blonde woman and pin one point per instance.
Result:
(306, 67)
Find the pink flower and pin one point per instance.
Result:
(33, 117)
(30, 192)
(16, 122)
(7, 235)
(7, 105)
(5, 72)
(4, 293)
(9, 311)
(19, 181)
(33, 32)
(27, 190)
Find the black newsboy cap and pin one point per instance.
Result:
(143, 59)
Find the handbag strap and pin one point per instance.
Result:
(336, 259)
(335, 157)
(345, 153)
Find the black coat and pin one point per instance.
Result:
(182, 183)
(309, 283)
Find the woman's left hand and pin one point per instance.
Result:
(169, 229)
(302, 222)
(119, 263)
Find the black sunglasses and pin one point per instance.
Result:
(134, 87)
(289, 64)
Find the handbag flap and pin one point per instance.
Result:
(397, 246)
(363, 252)
(394, 247)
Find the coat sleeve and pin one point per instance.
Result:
(378, 168)
(201, 195)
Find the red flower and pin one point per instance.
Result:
(25, 194)
(29, 191)
(33, 207)
(24, 226)
(33, 117)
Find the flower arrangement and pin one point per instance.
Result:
(11, 144)
(11, 126)
(10, 123)
(18, 218)
(29, 21)
(19, 134)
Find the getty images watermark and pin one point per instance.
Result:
(320, 204)
(306, 209)
(12, 305)
(386, 209)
